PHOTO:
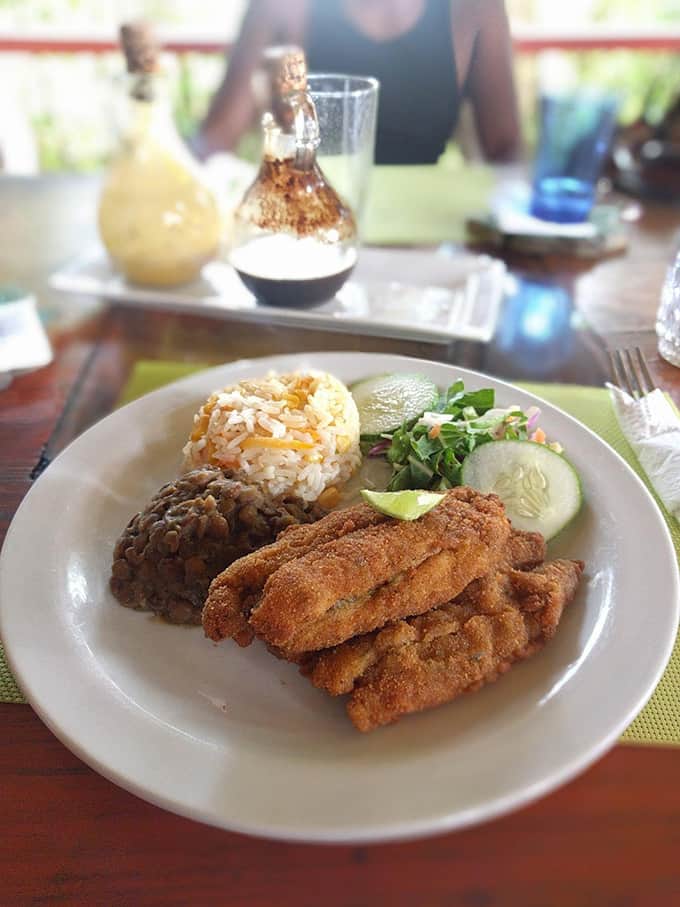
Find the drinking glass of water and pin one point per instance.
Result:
(575, 133)
(668, 316)
(346, 107)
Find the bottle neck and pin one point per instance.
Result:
(292, 131)
(146, 113)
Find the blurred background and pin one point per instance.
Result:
(59, 64)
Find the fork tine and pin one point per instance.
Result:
(619, 372)
(630, 371)
(613, 369)
(647, 380)
(635, 381)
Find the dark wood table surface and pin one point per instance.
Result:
(611, 837)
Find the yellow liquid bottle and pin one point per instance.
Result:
(158, 219)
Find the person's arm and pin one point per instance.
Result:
(233, 108)
(490, 84)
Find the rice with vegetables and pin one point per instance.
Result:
(288, 434)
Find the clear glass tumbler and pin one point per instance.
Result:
(668, 315)
(575, 133)
(346, 107)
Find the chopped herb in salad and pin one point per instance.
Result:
(428, 451)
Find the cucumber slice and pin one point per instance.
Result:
(541, 490)
(385, 401)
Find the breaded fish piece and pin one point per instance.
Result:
(524, 551)
(238, 591)
(365, 579)
(426, 661)
(233, 592)
(336, 670)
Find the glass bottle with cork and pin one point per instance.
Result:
(295, 239)
(158, 219)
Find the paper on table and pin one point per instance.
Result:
(23, 341)
(510, 210)
(652, 428)
(510, 220)
(511, 213)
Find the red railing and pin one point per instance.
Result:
(527, 40)
(530, 39)
(77, 45)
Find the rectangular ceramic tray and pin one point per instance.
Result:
(402, 293)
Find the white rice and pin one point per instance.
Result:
(288, 434)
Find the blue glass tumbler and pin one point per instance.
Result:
(575, 133)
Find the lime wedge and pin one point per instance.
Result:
(402, 505)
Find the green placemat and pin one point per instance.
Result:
(425, 204)
(9, 691)
(659, 721)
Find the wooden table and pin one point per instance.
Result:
(612, 837)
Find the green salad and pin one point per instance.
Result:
(429, 451)
(463, 438)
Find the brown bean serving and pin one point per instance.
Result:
(190, 531)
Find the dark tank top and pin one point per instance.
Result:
(419, 98)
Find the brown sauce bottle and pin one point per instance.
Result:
(295, 239)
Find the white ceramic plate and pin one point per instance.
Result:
(234, 737)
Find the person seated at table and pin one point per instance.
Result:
(429, 56)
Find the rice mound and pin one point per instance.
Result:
(288, 434)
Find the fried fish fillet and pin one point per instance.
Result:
(336, 670)
(234, 592)
(308, 596)
(428, 660)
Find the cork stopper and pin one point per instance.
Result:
(140, 47)
(287, 69)
(284, 68)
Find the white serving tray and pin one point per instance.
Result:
(403, 293)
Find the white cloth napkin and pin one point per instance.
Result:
(652, 429)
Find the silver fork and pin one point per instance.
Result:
(630, 371)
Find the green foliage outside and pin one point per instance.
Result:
(67, 98)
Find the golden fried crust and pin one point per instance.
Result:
(431, 659)
(236, 591)
(428, 674)
(336, 670)
(367, 578)
(525, 550)
(417, 591)
(233, 592)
